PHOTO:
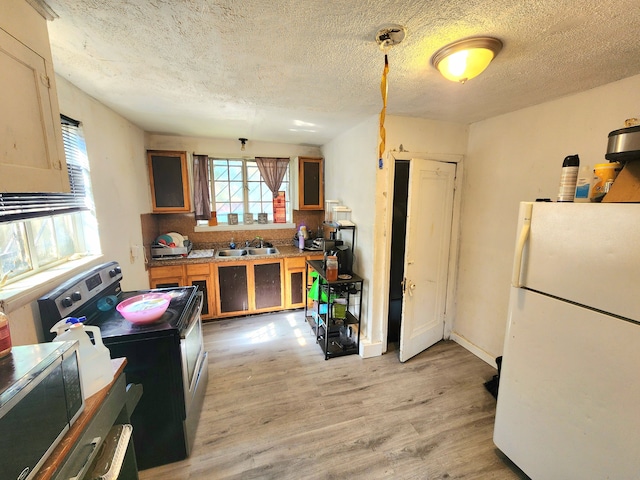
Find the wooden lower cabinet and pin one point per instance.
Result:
(295, 288)
(234, 288)
(267, 285)
(232, 279)
(294, 282)
(249, 287)
(184, 276)
(164, 277)
(200, 275)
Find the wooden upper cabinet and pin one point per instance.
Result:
(310, 184)
(31, 149)
(169, 179)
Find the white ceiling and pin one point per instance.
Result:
(303, 71)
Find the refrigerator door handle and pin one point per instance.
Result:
(526, 209)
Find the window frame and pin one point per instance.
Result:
(223, 225)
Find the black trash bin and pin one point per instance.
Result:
(493, 384)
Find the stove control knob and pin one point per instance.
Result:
(66, 302)
(115, 271)
(75, 296)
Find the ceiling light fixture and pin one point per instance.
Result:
(243, 141)
(465, 59)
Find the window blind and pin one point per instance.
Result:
(21, 206)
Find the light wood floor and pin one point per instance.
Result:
(275, 409)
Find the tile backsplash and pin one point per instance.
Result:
(184, 223)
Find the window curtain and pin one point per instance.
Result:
(201, 197)
(272, 171)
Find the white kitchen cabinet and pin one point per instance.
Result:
(31, 149)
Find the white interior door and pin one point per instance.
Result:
(429, 217)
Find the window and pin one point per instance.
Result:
(41, 230)
(237, 187)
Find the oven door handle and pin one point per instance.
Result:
(194, 315)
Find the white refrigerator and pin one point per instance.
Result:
(569, 393)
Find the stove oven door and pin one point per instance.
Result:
(192, 350)
(195, 373)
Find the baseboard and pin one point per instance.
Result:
(478, 352)
(368, 350)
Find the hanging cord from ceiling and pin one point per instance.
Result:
(386, 38)
(383, 90)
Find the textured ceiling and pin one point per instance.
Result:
(303, 71)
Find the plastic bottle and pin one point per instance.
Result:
(94, 360)
(300, 239)
(583, 184)
(604, 175)
(569, 178)
(332, 268)
(5, 336)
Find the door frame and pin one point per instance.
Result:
(455, 236)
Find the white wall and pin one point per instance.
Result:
(119, 178)
(350, 177)
(514, 157)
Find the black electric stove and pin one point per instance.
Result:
(166, 357)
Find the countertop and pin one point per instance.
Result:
(208, 256)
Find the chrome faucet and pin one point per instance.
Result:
(258, 242)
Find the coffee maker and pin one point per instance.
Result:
(342, 251)
(345, 259)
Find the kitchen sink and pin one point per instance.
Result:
(231, 253)
(263, 251)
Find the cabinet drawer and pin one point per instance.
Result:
(198, 269)
(168, 271)
(294, 262)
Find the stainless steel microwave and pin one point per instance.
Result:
(40, 398)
